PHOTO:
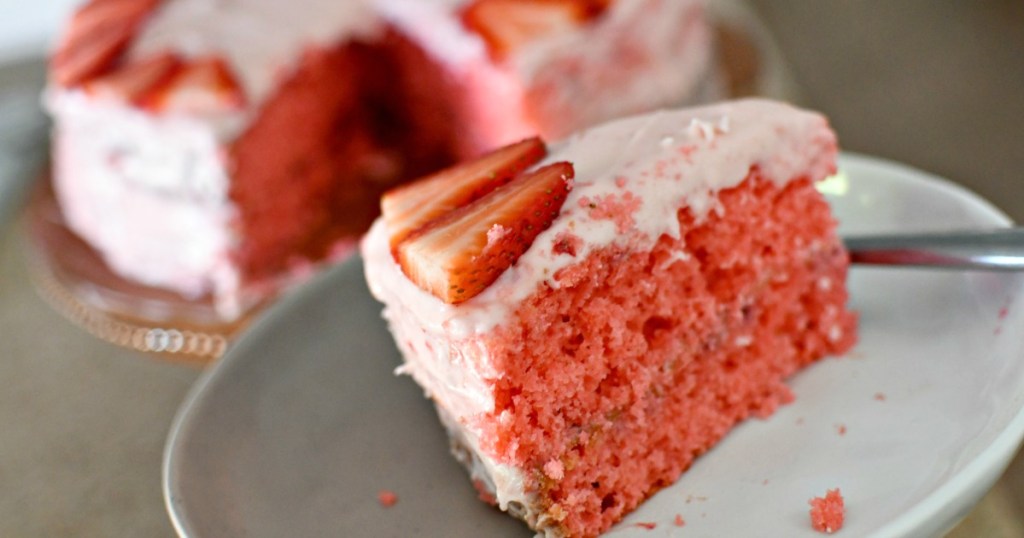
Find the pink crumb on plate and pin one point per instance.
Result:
(387, 498)
(828, 512)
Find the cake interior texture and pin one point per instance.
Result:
(351, 122)
(612, 384)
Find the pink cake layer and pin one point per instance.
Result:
(310, 169)
(611, 385)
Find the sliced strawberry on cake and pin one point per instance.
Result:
(202, 86)
(136, 82)
(459, 254)
(98, 34)
(508, 25)
(408, 208)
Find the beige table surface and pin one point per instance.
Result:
(938, 85)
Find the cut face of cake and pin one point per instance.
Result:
(691, 268)
(215, 148)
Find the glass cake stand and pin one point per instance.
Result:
(73, 278)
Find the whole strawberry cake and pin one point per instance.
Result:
(216, 147)
(590, 321)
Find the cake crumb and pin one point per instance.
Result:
(679, 521)
(828, 512)
(387, 498)
(646, 525)
(567, 243)
(554, 470)
(618, 209)
(880, 396)
(841, 429)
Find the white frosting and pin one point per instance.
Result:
(640, 55)
(661, 161)
(149, 193)
(506, 482)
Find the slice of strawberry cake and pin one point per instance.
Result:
(590, 323)
(214, 148)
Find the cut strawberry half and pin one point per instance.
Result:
(98, 34)
(202, 86)
(409, 207)
(460, 254)
(135, 82)
(507, 25)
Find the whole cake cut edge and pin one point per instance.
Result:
(687, 268)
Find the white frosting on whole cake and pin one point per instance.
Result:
(640, 55)
(665, 160)
(151, 193)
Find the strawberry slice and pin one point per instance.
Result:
(460, 254)
(97, 36)
(507, 25)
(202, 86)
(134, 82)
(409, 207)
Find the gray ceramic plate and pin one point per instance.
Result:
(23, 142)
(296, 430)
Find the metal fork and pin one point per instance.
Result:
(992, 250)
